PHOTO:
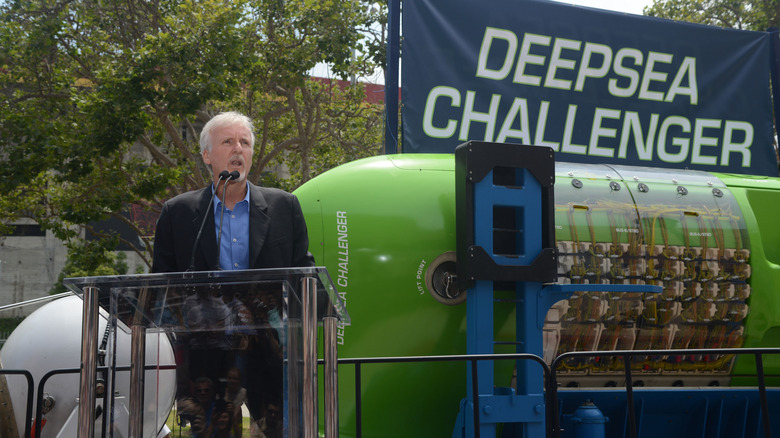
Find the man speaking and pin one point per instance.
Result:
(230, 224)
(260, 227)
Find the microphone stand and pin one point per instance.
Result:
(222, 176)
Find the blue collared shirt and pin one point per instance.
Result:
(234, 253)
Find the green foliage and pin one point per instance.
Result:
(91, 258)
(739, 14)
(7, 325)
(341, 127)
(100, 101)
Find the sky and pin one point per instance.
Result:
(630, 6)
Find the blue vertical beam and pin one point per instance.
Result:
(479, 307)
(391, 75)
(479, 340)
(530, 378)
(529, 293)
(503, 234)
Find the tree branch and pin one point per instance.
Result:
(173, 133)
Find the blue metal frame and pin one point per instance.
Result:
(527, 405)
(673, 412)
(479, 200)
(391, 75)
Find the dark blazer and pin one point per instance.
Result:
(277, 232)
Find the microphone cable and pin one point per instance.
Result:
(222, 176)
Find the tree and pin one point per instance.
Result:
(88, 259)
(747, 15)
(101, 100)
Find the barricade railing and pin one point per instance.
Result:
(551, 385)
(41, 393)
(550, 377)
(28, 402)
(473, 359)
(552, 396)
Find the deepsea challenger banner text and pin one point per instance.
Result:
(594, 85)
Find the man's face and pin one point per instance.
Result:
(231, 149)
(223, 421)
(233, 381)
(204, 392)
(273, 414)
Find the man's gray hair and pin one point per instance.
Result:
(229, 118)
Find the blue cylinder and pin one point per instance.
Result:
(589, 421)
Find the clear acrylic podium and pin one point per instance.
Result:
(258, 324)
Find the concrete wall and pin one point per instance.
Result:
(30, 266)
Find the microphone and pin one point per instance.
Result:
(222, 176)
(230, 176)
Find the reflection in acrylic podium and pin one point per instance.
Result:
(260, 325)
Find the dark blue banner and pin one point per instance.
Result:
(597, 86)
